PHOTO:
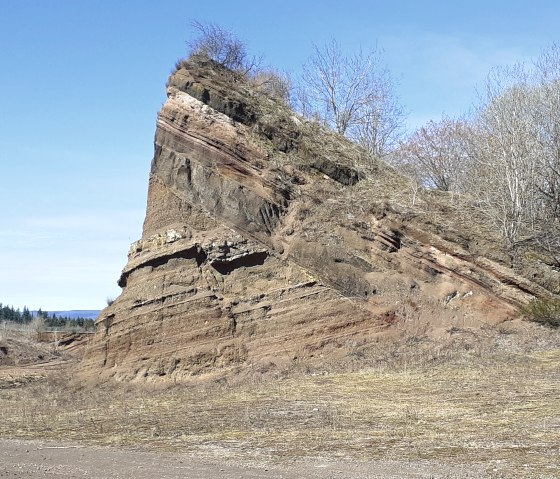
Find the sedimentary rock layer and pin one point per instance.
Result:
(269, 240)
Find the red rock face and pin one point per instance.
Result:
(269, 240)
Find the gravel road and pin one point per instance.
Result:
(48, 460)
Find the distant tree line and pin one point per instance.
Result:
(25, 316)
(8, 313)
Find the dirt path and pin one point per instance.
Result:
(48, 460)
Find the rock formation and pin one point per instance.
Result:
(270, 240)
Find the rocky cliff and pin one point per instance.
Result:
(269, 240)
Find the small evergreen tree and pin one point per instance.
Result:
(26, 315)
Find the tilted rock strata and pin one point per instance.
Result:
(264, 244)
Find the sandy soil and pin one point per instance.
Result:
(41, 459)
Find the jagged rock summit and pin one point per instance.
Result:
(270, 240)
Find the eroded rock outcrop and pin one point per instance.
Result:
(269, 240)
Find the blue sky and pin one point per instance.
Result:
(81, 82)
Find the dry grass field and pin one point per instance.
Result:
(487, 398)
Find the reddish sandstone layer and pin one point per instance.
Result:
(269, 240)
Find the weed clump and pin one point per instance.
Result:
(544, 311)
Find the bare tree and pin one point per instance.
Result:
(547, 120)
(437, 154)
(274, 83)
(507, 154)
(380, 126)
(516, 173)
(353, 94)
(221, 46)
